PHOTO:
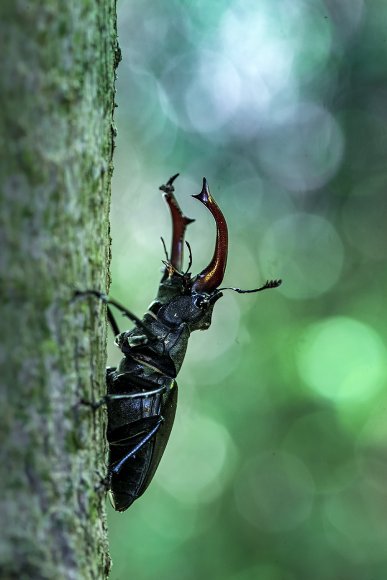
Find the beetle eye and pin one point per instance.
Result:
(200, 302)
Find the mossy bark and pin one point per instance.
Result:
(56, 134)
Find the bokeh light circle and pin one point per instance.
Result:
(364, 216)
(342, 359)
(264, 571)
(199, 460)
(316, 151)
(172, 86)
(356, 523)
(221, 335)
(372, 447)
(275, 491)
(213, 94)
(348, 15)
(323, 430)
(264, 57)
(306, 251)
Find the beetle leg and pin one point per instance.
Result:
(134, 341)
(118, 466)
(97, 404)
(125, 311)
(112, 321)
(103, 484)
(109, 371)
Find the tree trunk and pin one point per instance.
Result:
(56, 131)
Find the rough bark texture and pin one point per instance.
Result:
(56, 131)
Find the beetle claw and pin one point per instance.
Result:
(103, 485)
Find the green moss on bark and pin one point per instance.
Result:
(56, 131)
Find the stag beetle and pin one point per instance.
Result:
(142, 391)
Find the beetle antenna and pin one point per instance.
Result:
(189, 258)
(269, 284)
(171, 268)
(165, 248)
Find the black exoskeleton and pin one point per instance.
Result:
(142, 391)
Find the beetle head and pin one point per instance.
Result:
(191, 300)
(182, 299)
(194, 309)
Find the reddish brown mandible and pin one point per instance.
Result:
(212, 276)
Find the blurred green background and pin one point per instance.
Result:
(277, 464)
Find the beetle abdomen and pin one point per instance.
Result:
(138, 432)
(168, 412)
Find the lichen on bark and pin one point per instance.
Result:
(57, 140)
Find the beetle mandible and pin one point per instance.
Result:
(142, 391)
